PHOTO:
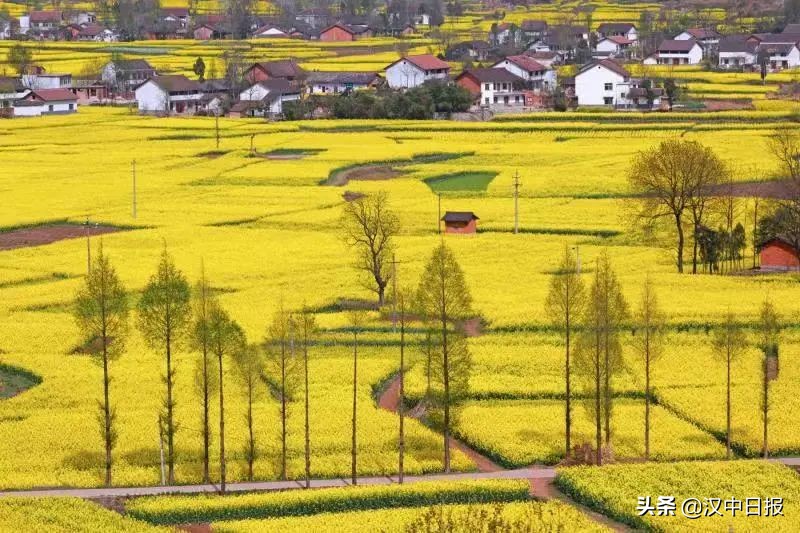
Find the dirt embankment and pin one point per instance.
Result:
(363, 173)
(49, 233)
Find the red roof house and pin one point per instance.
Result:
(337, 32)
(460, 222)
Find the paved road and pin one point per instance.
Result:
(522, 473)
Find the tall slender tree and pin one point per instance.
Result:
(306, 328)
(599, 350)
(249, 365)
(564, 304)
(401, 401)
(101, 313)
(444, 297)
(729, 343)
(226, 338)
(648, 340)
(769, 344)
(164, 317)
(357, 320)
(282, 369)
(205, 377)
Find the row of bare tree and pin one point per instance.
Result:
(592, 323)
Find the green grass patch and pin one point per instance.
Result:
(469, 181)
(14, 380)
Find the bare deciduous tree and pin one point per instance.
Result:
(564, 304)
(164, 317)
(369, 227)
(669, 180)
(101, 313)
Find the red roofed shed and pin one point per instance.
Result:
(779, 253)
(460, 222)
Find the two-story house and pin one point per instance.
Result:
(603, 83)
(533, 73)
(172, 94)
(412, 71)
(736, 51)
(673, 52)
(125, 74)
(617, 29)
(493, 86)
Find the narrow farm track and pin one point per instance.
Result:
(390, 401)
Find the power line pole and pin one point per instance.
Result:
(439, 222)
(394, 293)
(516, 202)
(133, 173)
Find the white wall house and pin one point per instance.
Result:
(413, 71)
(339, 82)
(169, 94)
(529, 70)
(614, 46)
(46, 102)
(493, 87)
(618, 29)
(704, 36)
(673, 52)
(47, 81)
(268, 32)
(271, 95)
(781, 56)
(602, 83)
(11, 90)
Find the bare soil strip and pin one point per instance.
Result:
(48, 234)
(390, 401)
(364, 173)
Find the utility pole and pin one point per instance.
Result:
(439, 222)
(394, 293)
(216, 125)
(133, 173)
(516, 202)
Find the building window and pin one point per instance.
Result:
(50, 108)
(609, 86)
(71, 106)
(608, 100)
(488, 86)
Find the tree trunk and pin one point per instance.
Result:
(679, 227)
(221, 424)
(728, 409)
(251, 443)
(647, 395)
(283, 409)
(170, 424)
(106, 408)
(307, 428)
(568, 410)
(401, 403)
(206, 421)
(446, 379)
(766, 406)
(694, 252)
(598, 421)
(353, 450)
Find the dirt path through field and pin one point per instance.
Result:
(390, 401)
(47, 234)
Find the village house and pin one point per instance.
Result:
(493, 87)
(780, 56)
(779, 254)
(316, 17)
(533, 30)
(269, 31)
(172, 94)
(503, 34)
(477, 50)
(672, 52)
(604, 83)
(614, 46)
(548, 59)
(90, 91)
(125, 74)
(460, 222)
(340, 82)
(6, 28)
(11, 90)
(405, 30)
(178, 15)
(337, 32)
(412, 71)
(44, 80)
(705, 36)
(736, 51)
(208, 31)
(265, 98)
(286, 69)
(533, 73)
(43, 21)
(40, 102)
(617, 29)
